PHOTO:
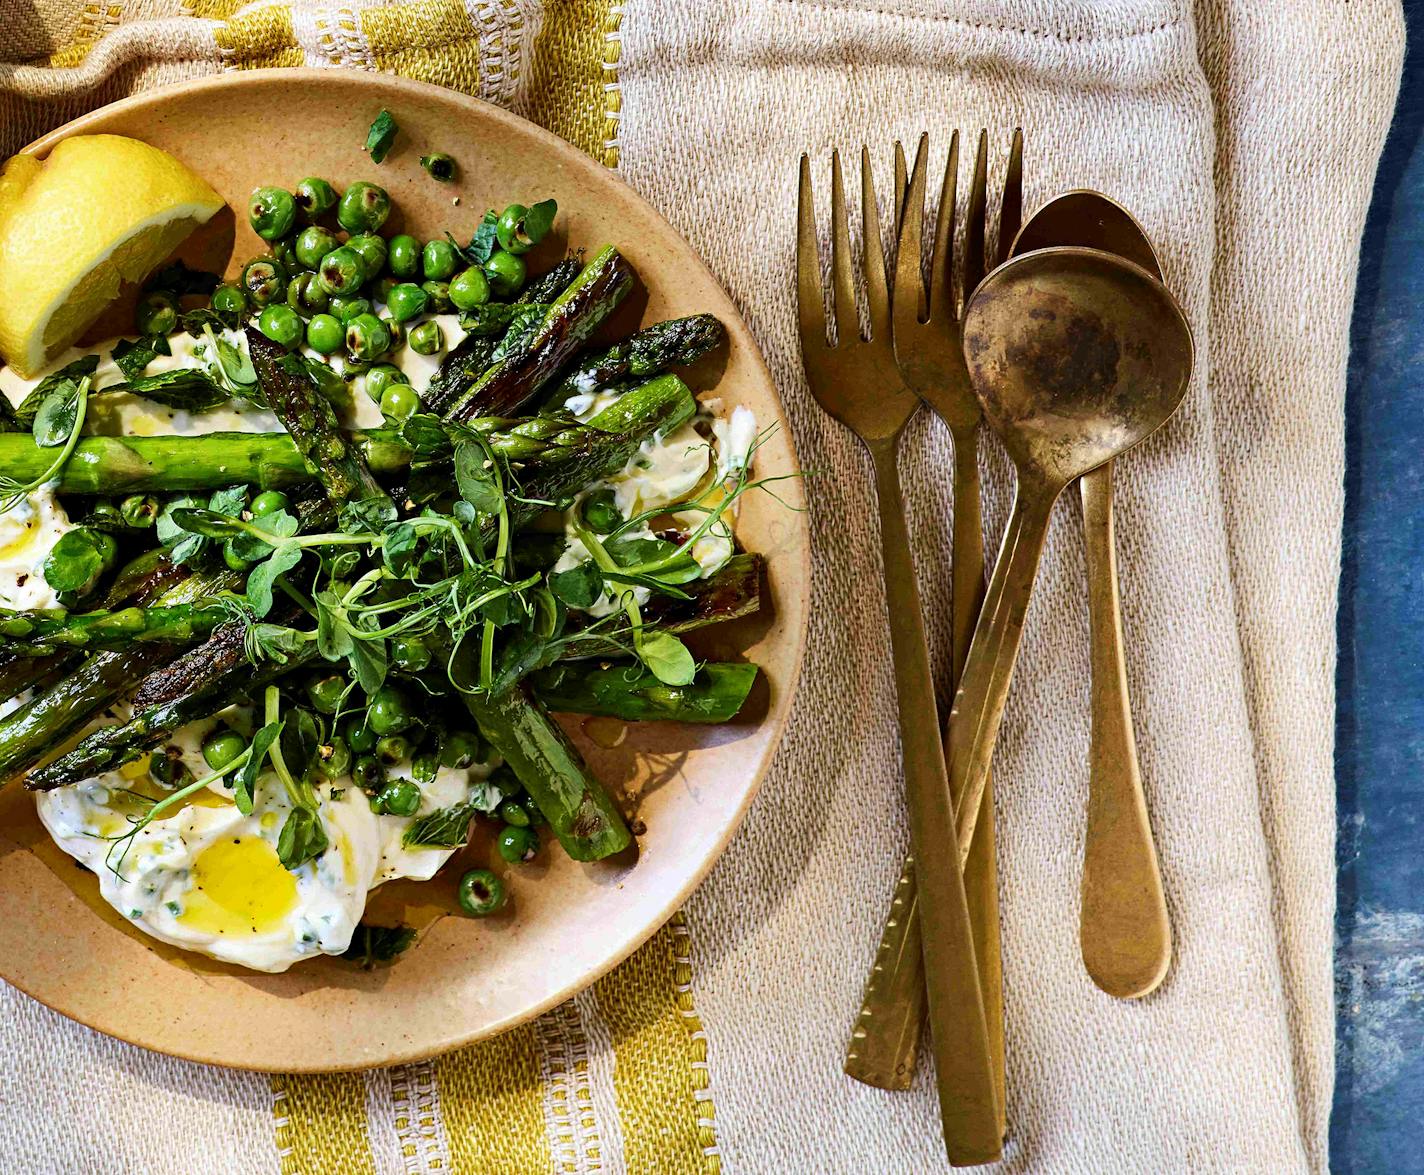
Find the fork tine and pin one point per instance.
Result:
(842, 266)
(942, 260)
(974, 219)
(909, 293)
(810, 303)
(901, 183)
(1011, 210)
(876, 295)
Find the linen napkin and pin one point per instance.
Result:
(1245, 137)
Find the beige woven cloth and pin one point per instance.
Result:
(1245, 136)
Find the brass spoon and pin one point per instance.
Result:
(1123, 928)
(1076, 356)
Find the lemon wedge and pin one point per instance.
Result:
(100, 210)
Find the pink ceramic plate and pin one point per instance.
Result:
(687, 786)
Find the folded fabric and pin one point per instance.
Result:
(1245, 137)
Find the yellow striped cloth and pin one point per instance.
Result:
(616, 1079)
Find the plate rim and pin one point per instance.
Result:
(393, 1054)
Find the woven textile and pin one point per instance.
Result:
(1245, 137)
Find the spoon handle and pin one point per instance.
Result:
(1124, 932)
(967, 1094)
(989, 668)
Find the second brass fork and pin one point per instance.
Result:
(931, 360)
(857, 382)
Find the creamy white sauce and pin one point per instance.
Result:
(27, 532)
(254, 911)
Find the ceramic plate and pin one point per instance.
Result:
(686, 786)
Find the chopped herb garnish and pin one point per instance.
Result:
(380, 137)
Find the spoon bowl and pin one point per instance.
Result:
(1092, 220)
(1076, 356)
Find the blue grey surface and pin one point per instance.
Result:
(1378, 1120)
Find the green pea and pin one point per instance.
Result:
(381, 288)
(399, 402)
(439, 259)
(403, 256)
(222, 746)
(167, 769)
(469, 288)
(381, 377)
(360, 737)
(388, 711)
(400, 797)
(342, 271)
(272, 212)
(229, 303)
(264, 281)
(439, 294)
(373, 252)
(406, 301)
(425, 766)
(338, 762)
(139, 511)
(438, 166)
(506, 273)
(105, 509)
(600, 512)
(516, 843)
(306, 295)
(363, 207)
(509, 230)
(513, 812)
(268, 502)
(325, 334)
(314, 198)
(234, 558)
(410, 653)
(367, 337)
(481, 893)
(369, 774)
(397, 333)
(393, 748)
(313, 243)
(348, 306)
(281, 324)
(156, 314)
(427, 338)
(462, 749)
(326, 693)
(286, 256)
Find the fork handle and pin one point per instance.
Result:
(885, 1041)
(1124, 932)
(968, 1100)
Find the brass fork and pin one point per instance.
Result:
(857, 382)
(931, 360)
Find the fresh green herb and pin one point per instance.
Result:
(372, 945)
(70, 373)
(132, 356)
(485, 240)
(447, 828)
(380, 137)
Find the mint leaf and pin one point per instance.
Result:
(262, 579)
(380, 137)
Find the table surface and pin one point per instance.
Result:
(1378, 1121)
